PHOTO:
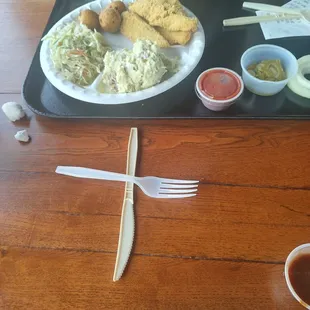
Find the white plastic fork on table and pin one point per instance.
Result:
(151, 186)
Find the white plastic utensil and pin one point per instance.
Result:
(277, 9)
(151, 186)
(248, 20)
(268, 8)
(127, 227)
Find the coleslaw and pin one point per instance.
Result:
(77, 53)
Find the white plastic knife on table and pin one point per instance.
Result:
(127, 227)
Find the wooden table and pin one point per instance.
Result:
(224, 249)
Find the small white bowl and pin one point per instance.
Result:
(261, 52)
(300, 250)
(220, 104)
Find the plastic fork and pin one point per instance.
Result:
(151, 186)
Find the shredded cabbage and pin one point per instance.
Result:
(77, 53)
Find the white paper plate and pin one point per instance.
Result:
(189, 56)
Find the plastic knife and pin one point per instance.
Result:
(127, 227)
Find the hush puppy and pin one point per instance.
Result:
(110, 20)
(90, 19)
(117, 5)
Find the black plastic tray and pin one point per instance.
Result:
(224, 48)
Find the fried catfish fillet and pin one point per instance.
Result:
(135, 28)
(167, 14)
(175, 37)
(177, 23)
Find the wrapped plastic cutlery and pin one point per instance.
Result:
(248, 20)
(151, 186)
(305, 14)
(273, 8)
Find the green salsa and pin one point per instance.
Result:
(268, 70)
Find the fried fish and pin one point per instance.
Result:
(135, 28)
(176, 22)
(167, 14)
(175, 37)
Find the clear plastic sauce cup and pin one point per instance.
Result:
(219, 88)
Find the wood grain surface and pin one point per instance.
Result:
(224, 249)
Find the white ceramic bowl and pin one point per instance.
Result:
(218, 105)
(300, 250)
(258, 53)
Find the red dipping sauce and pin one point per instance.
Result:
(220, 84)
